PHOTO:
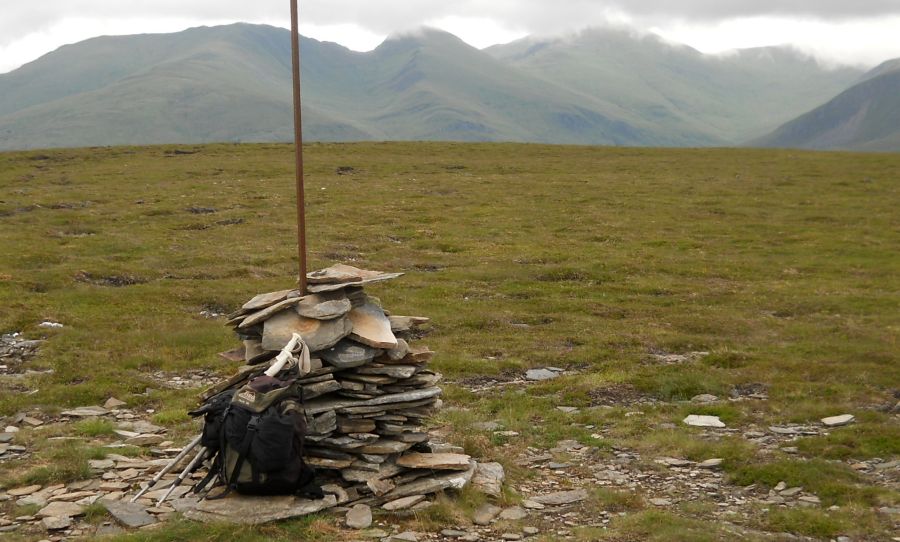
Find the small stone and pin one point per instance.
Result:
(780, 486)
(660, 502)
(101, 464)
(404, 503)
(407, 536)
(567, 409)
(398, 352)
(711, 463)
(674, 462)
(6, 438)
(359, 517)
(22, 491)
(514, 513)
(511, 536)
(485, 514)
(530, 531)
(837, 421)
(34, 422)
(56, 523)
(791, 491)
(703, 421)
(533, 505)
(562, 497)
(704, 398)
(489, 478)
(113, 403)
(380, 487)
(537, 375)
(11, 429)
(452, 533)
(812, 499)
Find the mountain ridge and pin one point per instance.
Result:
(232, 83)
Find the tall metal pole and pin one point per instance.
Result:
(298, 145)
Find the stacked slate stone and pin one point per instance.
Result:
(369, 390)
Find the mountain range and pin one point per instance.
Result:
(602, 86)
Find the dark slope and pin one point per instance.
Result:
(864, 117)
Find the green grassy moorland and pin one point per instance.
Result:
(783, 265)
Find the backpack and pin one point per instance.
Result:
(256, 435)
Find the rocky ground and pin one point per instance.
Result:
(560, 491)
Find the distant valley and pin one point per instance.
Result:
(600, 87)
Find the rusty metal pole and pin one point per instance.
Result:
(298, 145)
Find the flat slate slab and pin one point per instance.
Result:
(347, 354)
(85, 412)
(561, 497)
(433, 484)
(703, 421)
(372, 327)
(837, 421)
(318, 334)
(262, 301)
(435, 461)
(129, 514)
(249, 510)
(340, 275)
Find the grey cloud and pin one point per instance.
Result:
(385, 16)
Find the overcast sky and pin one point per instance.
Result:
(842, 31)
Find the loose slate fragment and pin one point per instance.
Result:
(336, 274)
(250, 510)
(318, 334)
(435, 461)
(86, 412)
(372, 276)
(400, 324)
(433, 484)
(404, 503)
(129, 514)
(394, 371)
(268, 312)
(342, 274)
(372, 327)
(561, 497)
(262, 301)
(347, 354)
(316, 306)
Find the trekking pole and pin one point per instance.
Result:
(184, 474)
(298, 145)
(168, 468)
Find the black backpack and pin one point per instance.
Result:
(256, 433)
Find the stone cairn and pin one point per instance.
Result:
(367, 395)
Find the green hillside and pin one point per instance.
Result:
(703, 99)
(864, 117)
(232, 83)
